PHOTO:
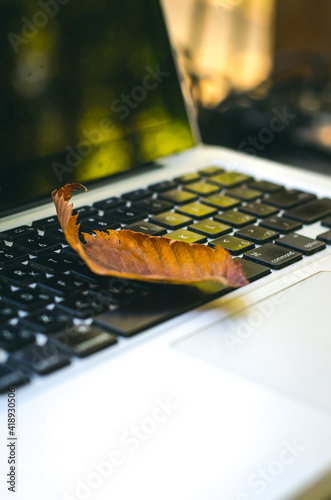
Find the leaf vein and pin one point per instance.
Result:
(194, 261)
(143, 254)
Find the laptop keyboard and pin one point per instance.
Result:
(53, 308)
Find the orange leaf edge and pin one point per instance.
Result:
(233, 276)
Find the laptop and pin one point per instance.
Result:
(120, 389)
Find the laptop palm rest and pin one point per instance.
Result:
(282, 342)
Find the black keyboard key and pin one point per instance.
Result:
(7, 312)
(126, 215)
(187, 236)
(230, 179)
(138, 194)
(288, 198)
(83, 340)
(63, 285)
(17, 232)
(234, 245)
(257, 234)
(146, 228)
(178, 197)
(153, 205)
(15, 337)
(252, 270)
(98, 223)
(42, 359)
(281, 224)
(244, 193)
(28, 298)
(4, 288)
(11, 376)
(109, 203)
(202, 188)
(47, 321)
(259, 210)
(116, 292)
(273, 256)
(57, 233)
(171, 220)
(197, 210)
(82, 271)
(221, 201)
(188, 178)
(310, 212)
(326, 237)
(303, 244)
(55, 262)
(82, 306)
(163, 186)
(46, 223)
(84, 212)
(209, 171)
(235, 219)
(266, 186)
(37, 245)
(21, 274)
(210, 228)
(9, 255)
(326, 222)
(69, 250)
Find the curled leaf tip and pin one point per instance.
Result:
(67, 190)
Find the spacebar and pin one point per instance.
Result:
(154, 307)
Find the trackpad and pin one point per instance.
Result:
(282, 342)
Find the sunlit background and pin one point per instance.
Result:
(243, 58)
(226, 43)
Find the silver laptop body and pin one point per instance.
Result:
(228, 400)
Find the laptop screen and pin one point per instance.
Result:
(88, 90)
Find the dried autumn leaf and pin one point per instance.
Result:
(132, 255)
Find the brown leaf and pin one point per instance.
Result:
(132, 255)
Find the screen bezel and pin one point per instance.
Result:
(136, 169)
